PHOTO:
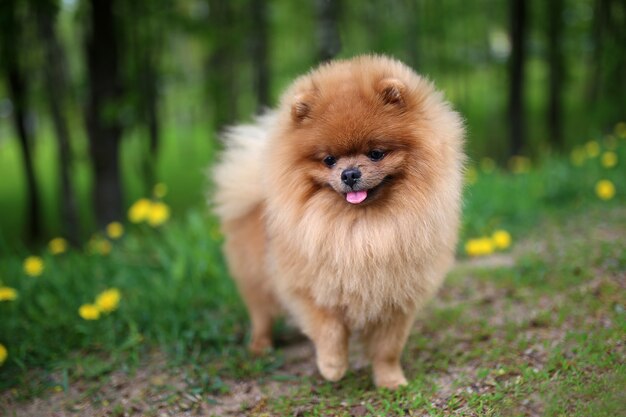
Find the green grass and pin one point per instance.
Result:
(542, 334)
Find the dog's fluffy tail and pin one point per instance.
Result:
(238, 175)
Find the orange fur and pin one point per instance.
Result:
(294, 242)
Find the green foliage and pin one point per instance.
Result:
(496, 336)
(174, 294)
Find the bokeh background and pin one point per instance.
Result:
(110, 261)
(101, 100)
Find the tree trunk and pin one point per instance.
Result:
(17, 89)
(259, 53)
(516, 76)
(10, 44)
(412, 30)
(55, 85)
(556, 69)
(103, 124)
(328, 39)
(150, 115)
(222, 64)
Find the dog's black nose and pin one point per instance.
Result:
(350, 176)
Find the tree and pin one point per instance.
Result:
(328, 39)
(55, 85)
(556, 72)
(607, 83)
(11, 49)
(517, 16)
(142, 31)
(259, 48)
(103, 119)
(222, 63)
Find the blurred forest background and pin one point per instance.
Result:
(101, 99)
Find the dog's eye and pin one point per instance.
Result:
(329, 161)
(376, 155)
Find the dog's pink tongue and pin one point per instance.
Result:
(356, 197)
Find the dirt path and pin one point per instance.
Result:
(486, 310)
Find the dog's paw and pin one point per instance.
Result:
(332, 369)
(260, 346)
(388, 375)
(391, 382)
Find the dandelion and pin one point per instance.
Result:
(57, 246)
(609, 159)
(479, 247)
(7, 294)
(610, 142)
(103, 247)
(108, 301)
(115, 230)
(501, 239)
(605, 189)
(3, 354)
(519, 164)
(620, 130)
(140, 210)
(159, 190)
(578, 156)
(99, 245)
(471, 176)
(592, 148)
(33, 266)
(487, 165)
(89, 312)
(158, 214)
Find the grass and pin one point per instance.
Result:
(537, 330)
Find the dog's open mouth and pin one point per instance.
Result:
(356, 197)
(361, 196)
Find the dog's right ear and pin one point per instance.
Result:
(300, 108)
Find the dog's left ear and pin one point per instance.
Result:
(300, 108)
(392, 91)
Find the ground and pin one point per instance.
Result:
(536, 331)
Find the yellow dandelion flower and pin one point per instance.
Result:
(89, 312)
(487, 165)
(479, 247)
(108, 300)
(609, 159)
(57, 246)
(3, 354)
(99, 245)
(610, 142)
(7, 294)
(578, 156)
(115, 230)
(620, 130)
(519, 164)
(605, 189)
(592, 148)
(104, 247)
(159, 190)
(33, 266)
(140, 210)
(501, 239)
(471, 176)
(159, 214)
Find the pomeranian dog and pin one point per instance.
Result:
(342, 207)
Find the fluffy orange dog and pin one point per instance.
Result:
(342, 207)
